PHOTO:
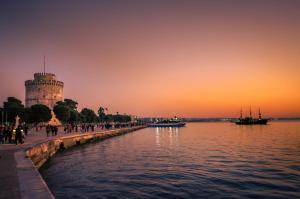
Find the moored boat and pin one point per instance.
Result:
(168, 123)
(251, 121)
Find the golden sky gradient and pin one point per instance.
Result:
(185, 58)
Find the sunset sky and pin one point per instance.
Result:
(158, 58)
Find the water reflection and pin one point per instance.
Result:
(201, 160)
(171, 132)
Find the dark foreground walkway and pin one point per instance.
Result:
(9, 184)
(12, 172)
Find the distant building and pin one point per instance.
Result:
(43, 89)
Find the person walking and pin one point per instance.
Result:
(12, 135)
(5, 134)
(1, 135)
(18, 135)
(65, 129)
(48, 128)
(82, 128)
(26, 129)
(52, 130)
(55, 129)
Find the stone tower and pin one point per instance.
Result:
(43, 89)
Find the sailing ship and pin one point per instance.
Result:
(251, 121)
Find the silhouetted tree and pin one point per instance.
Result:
(121, 118)
(74, 116)
(62, 112)
(71, 104)
(101, 114)
(108, 118)
(71, 115)
(126, 118)
(27, 116)
(89, 115)
(13, 107)
(81, 118)
(40, 113)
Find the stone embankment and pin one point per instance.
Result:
(40, 153)
(29, 159)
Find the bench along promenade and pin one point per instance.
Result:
(19, 164)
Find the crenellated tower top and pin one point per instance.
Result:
(44, 88)
(44, 76)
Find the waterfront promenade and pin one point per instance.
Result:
(19, 177)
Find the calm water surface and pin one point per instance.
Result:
(201, 160)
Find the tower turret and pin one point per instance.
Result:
(43, 89)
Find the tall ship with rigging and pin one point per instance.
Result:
(251, 121)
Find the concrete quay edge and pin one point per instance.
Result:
(30, 158)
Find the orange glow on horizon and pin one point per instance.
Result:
(159, 59)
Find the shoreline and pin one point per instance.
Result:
(41, 152)
(31, 157)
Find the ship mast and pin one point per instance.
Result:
(241, 116)
(259, 114)
(250, 112)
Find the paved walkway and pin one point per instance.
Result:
(9, 183)
(9, 186)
